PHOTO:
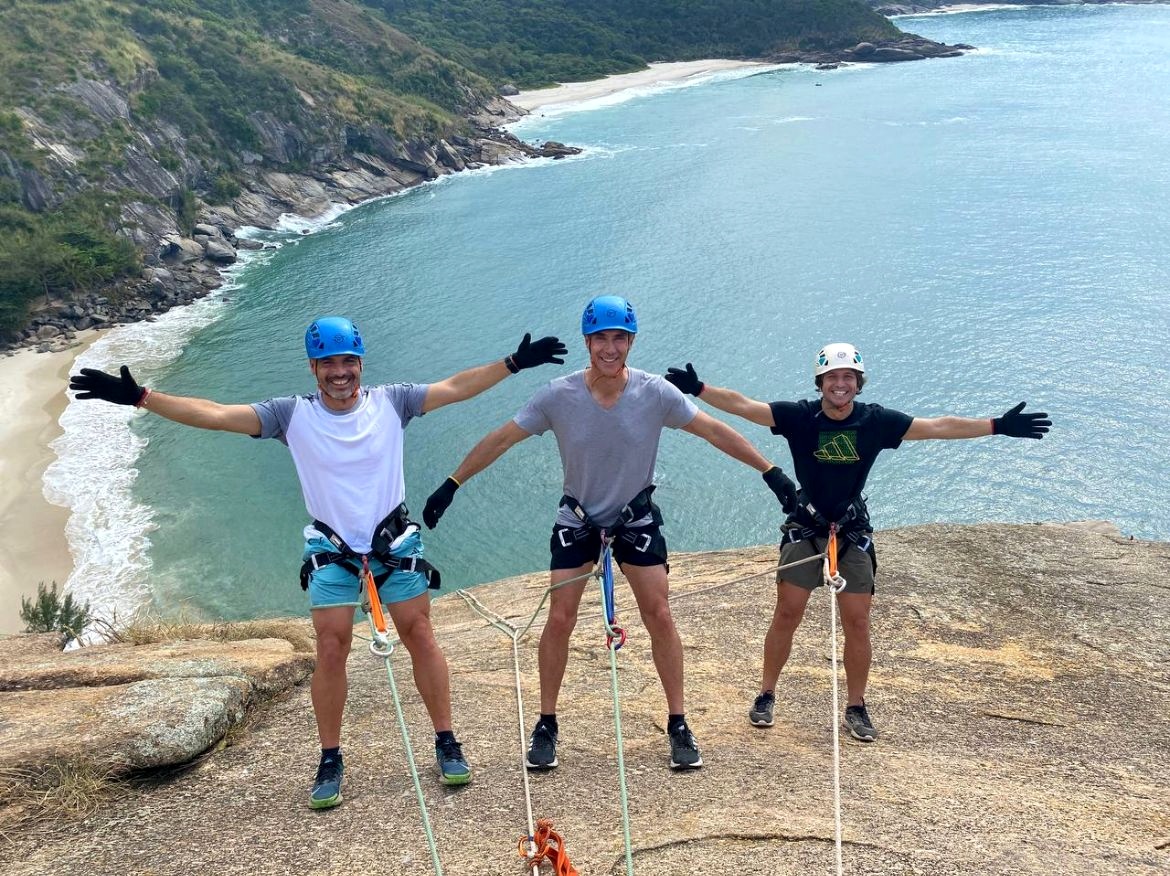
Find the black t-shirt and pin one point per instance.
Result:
(833, 457)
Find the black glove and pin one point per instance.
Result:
(91, 383)
(1017, 425)
(783, 486)
(439, 502)
(532, 353)
(686, 381)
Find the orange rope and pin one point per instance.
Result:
(832, 551)
(549, 847)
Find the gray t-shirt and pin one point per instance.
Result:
(608, 456)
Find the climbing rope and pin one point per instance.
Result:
(532, 845)
(382, 646)
(615, 637)
(835, 584)
(537, 848)
(548, 846)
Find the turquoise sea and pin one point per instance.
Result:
(987, 229)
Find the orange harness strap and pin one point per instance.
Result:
(372, 597)
(549, 847)
(832, 551)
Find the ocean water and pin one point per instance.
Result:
(987, 229)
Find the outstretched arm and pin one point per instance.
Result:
(471, 382)
(722, 436)
(199, 412)
(490, 448)
(1014, 424)
(724, 399)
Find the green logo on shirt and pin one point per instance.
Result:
(839, 448)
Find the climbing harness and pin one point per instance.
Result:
(853, 525)
(395, 529)
(835, 584)
(382, 646)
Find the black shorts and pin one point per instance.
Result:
(636, 545)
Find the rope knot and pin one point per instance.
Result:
(546, 845)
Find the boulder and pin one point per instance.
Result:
(180, 250)
(268, 664)
(220, 252)
(118, 728)
(892, 54)
(123, 708)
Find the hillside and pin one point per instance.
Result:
(125, 125)
(1021, 683)
(532, 43)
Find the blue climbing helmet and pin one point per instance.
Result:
(608, 312)
(333, 336)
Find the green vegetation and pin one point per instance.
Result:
(100, 99)
(50, 613)
(537, 42)
(61, 254)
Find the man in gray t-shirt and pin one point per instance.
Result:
(608, 420)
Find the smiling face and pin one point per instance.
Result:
(339, 379)
(608, 351)
(838, 388)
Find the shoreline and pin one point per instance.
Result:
(32, 529)
(656, 74)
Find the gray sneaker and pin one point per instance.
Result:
(761, 711)
(860, 727)
(684, 750)
(542, 748)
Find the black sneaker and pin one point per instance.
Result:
(326, 791)
(453, 768)
(860, 727)
(761, 711)
(684, 750)
(542, 748)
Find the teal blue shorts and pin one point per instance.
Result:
(338, 585)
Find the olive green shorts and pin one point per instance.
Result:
(853, 564)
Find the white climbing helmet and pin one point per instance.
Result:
(835, 356)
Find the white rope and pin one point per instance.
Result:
(834, 583)
(512, 633)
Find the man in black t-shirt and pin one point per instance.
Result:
(834, 442)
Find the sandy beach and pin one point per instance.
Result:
(575, 92)
(32, 531)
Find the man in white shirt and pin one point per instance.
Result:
(346, 442)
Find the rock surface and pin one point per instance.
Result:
(1021, 683)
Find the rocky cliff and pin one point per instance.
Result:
(1021, 684)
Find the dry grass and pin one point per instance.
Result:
(149, 630)
(55, 791)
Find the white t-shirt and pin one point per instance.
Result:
(349, 463)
